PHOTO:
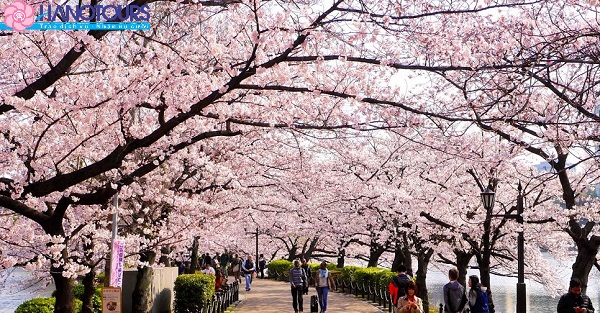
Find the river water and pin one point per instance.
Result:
(13, 292)
(504, 291)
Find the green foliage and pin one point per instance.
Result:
(281, 267)
(100, 278)
(367, 274)
(96, 299)
(193, 291)
(348, 272)
(37, 305)
(43, 305)
(374, 274)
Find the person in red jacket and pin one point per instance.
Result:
(398, 285)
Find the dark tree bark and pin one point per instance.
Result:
(164, 258)
(462, 265)
(341, 260)
(375, 252)
(89, 284)
(402, 255)
(65, 301)
(142, 297)
(194, 262)
(423, 260)
(89, 289)
(587, 246)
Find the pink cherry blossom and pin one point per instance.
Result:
(18, 16)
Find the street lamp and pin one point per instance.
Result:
(255, 233)
(487, 198)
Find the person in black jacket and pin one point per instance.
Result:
(574, 301)
(398, 284)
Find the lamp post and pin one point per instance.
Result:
(255, 233)
(487, 198)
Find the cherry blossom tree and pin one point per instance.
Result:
(86, 114)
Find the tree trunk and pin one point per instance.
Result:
(462, 265)
(164, 257)
(141, 297)
(65, 302)
(89, 289)
(341, 258)
(587, 249)
(194, 263)
(402, 256)
(375, 252)
(423, 259)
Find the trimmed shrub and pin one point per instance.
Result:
(280, 269)
(193, 291)
(348, 272)
(37, 305)
(43, 305)
(367, 274)
(96, 299)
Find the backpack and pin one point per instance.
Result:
(481, 304)
(398, 287)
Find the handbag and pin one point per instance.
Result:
(254, 274)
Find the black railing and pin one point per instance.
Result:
(221, 300)
(374, 292)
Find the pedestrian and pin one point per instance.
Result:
(219, 281)
(236, 267)
(478, 299)
(398, 284)
(209, 270)
(215, 261)
(207, 258)
(323, 282)
(249, 270)
(224, 261)
(307, 272)
(298, 280)
(261, 265)
(574, 301)
(454, 294)
(410, 303)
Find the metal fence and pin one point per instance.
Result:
(374, 292)
(221, 300)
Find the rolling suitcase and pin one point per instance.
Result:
(314, 304)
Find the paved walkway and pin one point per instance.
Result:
(268, 296)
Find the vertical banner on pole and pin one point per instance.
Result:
(116, 263)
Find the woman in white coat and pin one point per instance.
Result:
(410, 303)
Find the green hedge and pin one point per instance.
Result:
(78, 294)
(279, 267)
(96, 299)
(347, 273)
(193, 291)
(43, 305)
